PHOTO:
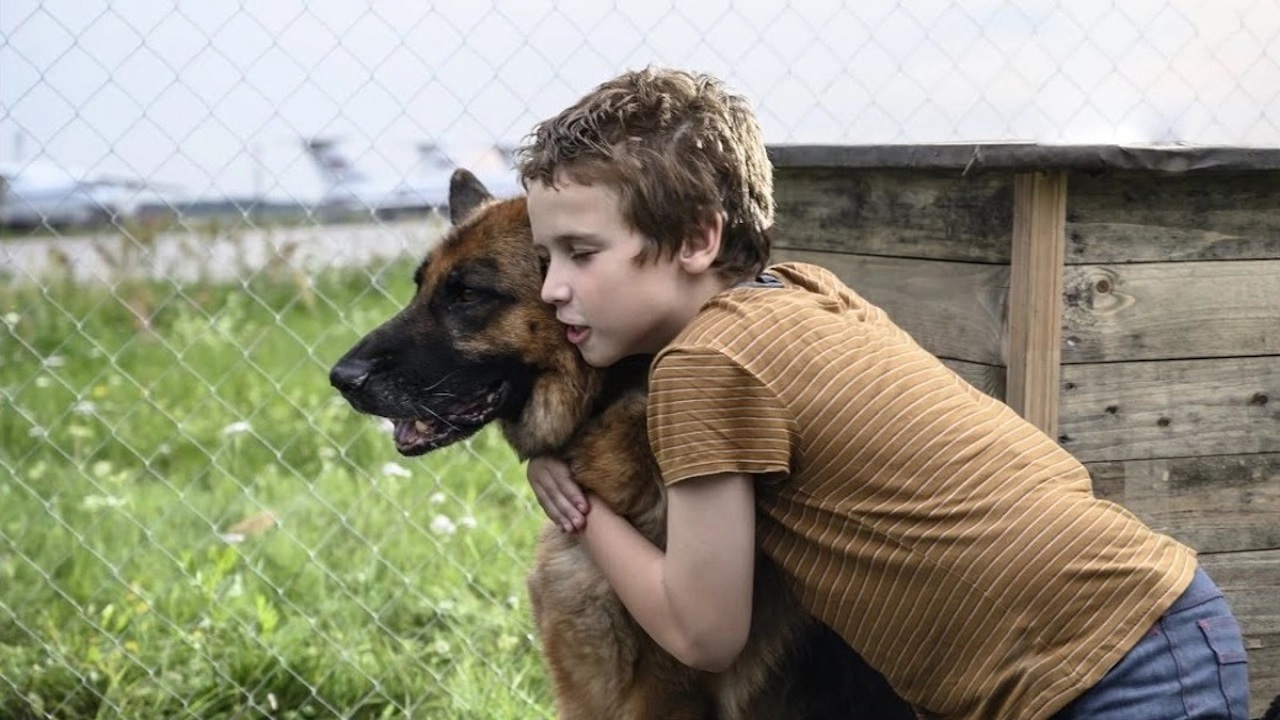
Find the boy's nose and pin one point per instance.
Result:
(554, 291)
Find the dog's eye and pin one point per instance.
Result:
(468, 295)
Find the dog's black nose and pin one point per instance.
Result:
(350, 374)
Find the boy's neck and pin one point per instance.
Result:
(699, 292)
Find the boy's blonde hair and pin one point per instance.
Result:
(677, 148)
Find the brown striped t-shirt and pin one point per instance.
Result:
(956, 547)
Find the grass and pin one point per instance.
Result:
(142, 422)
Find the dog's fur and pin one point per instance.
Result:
(476, 344)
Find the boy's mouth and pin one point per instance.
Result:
(576, 333)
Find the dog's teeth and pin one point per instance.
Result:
(419, 425)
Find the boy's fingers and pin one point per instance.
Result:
(573, 519)
(572, 493)
(559, 509)
(549, 507)
(561, 498)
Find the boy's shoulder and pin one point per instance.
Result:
(806, 276)
(780, 302)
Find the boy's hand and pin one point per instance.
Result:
(561, 498)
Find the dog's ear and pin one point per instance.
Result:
(466, 193)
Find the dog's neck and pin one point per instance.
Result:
(564, 400)
(561, 400)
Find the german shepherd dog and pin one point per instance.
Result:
(476, 344)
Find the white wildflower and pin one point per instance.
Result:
(97, 502)
(43, 382)
(55, 361)
(437, 498)
(467, 521)
(236, 428)
(11, 319)
(395, 470)
(442, 525)
(84, 407)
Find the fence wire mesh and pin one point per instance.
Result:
(204, 204)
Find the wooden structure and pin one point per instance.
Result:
(1124, 299)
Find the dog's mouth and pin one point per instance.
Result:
(415, 436)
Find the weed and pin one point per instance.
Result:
(144, 421)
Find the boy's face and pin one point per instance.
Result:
(612, 304)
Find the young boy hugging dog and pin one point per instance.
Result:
(947, 540)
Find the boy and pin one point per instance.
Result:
(953, 545)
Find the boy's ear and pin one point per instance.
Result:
(701, 249)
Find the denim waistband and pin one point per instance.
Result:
(1201, 590)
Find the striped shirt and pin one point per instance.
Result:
(951, 543)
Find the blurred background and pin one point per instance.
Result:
(204, 203)
(217, 100)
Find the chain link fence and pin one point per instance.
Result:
(204, 204)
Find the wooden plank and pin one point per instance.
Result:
(1150, 311)
(1035, 296)
(1148, 217)
(990, 379)
(1224, 503)
(898, 213)
(1171, 408)
(1251, 583)
(954, 310)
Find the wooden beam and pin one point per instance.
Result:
(1035, 296)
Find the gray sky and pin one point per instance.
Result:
(190, 93)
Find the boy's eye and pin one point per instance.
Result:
(580, 255)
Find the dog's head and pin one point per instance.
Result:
(476, 343)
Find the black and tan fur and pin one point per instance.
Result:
(476, 344)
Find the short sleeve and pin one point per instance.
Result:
(709, 415)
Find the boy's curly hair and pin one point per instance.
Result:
(677, 148)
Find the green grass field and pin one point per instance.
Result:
(141, 422)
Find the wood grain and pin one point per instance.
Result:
(1149, 311)
(897, 213)
(1224, 503)
(1159, 217)
(1035, 296)
(1171, 408)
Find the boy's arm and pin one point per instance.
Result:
(695, 599)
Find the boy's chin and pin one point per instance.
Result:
(597, 357)
(599, 361)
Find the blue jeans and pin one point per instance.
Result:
(1190, 666)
